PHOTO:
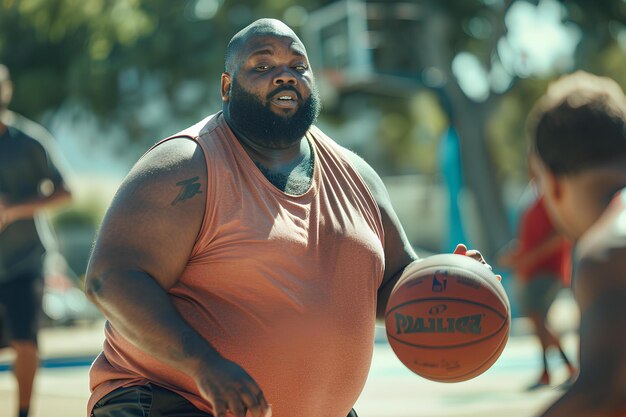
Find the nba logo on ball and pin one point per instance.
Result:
(454, 329)
(440, 280)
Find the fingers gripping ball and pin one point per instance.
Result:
(448, 318)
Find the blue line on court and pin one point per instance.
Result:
(70, 362)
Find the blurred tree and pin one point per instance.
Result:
(508, 41)
(120, 59)
(488, 61)
(152, 67)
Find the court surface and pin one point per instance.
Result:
(391, 390)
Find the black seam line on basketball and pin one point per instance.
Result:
(419, 300)
(498, 352)
(499, 289)
(473, 342)
(456, 272)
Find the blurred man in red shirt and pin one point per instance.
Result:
(541, 260)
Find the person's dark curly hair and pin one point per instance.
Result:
(579, 123)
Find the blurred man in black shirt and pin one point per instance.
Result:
(29, 182)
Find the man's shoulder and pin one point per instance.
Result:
(362, 167)
(605, 242)
(181, 145)
(28, 129)
(359, 163)
(611, 226)
(204, 133)
(369, 175)
(600, 268)
(202, 127)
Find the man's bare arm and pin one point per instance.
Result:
(600, 289)
(141, 251)
(12, 212)
(142, 247)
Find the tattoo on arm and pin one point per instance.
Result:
(189, 188)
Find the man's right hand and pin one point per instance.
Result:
(5, 214)
(228, 387)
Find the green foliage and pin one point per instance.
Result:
(109, 56)
(82, 217)
(102, 53)
(56, 49)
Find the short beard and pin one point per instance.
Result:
(248, 116)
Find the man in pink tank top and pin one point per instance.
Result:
(244, 261)
(578, 132)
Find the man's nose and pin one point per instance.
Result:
(285, 77)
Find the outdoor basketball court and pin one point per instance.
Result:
(391, 390)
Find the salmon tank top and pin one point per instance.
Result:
(283, 285)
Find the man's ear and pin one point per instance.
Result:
(554, 185)
(550, 183)
(226, 83)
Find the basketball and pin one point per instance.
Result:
(448, 318)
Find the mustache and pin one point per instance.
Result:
(284, 88)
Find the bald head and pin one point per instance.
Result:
(4, 73)
(6, 87)
(258, 28)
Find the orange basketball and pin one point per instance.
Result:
(448, 318)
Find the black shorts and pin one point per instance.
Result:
(20, 308)
(148, 401)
